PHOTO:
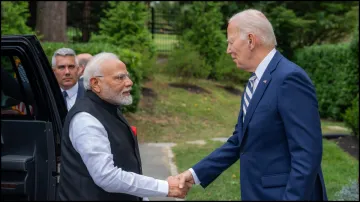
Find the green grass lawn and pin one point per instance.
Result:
(338, 168)
(177, 115)
(165, 42)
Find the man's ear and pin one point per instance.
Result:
(94, 83)
(251, 41)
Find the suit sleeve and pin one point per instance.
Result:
(298, 108)
(209, 168)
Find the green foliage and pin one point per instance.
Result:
(13, 18)
(200, 24)
(147, 66)
(186, 63)
(130, 58)
(351, 116)
(125, 26)
(354, 45)
(287, 27)
(335, 75)
(227, 72)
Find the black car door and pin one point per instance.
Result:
(32, 114)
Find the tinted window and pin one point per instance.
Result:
(16, 93)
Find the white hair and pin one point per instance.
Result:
(63, 52)
(93, 67)
(254, 21)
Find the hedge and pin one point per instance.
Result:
(334, 72)
(130, 58)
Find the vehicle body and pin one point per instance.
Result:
(32, 116)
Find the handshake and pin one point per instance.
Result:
(180, 184)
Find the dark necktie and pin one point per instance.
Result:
(65, 95)
(248, 93)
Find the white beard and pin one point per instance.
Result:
(117, 99)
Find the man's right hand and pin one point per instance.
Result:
(185, 177)
(174, 190)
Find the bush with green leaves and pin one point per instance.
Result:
(354, 45)
(227, 73)
(349, 192)
(124, 25)
(351, 117)
(130, 58)
(187, 63)
(147, 66)
(334, 72)
(13, 18)
(200, 24)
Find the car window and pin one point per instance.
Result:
(16, 93)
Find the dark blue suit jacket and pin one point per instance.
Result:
(280, 142)
(81, 90)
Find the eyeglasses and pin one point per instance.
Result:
(120, 77)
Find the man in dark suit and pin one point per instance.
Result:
(278, 135)
(66, 66)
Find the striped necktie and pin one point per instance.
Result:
(248, 93)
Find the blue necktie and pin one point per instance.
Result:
(248, 93)
(65, 95)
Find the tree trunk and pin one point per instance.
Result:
(51, 20)
(86, 22)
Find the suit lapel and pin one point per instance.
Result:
(260, 89)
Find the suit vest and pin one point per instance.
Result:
(75, 180)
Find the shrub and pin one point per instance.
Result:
(201, 26)
(130, 58)
(125, 26)
(351, 117)
(147, 66)
(334, 72)
(349, 192)
(354, 45)
(186, 62)
(226, 72)
(13, 18)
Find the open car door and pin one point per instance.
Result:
(32, 114)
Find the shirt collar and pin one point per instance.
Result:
(264, 63)
(72, 91)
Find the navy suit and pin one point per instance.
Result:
(279, 144)
(81, 90)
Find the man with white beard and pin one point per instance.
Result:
(100, 158)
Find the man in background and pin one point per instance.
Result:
(66, 66)
(83, 59)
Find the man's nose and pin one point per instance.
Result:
(228, 49)
(128, 82)
(67, 71)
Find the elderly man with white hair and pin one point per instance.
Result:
(65, 66)
(100, 157)
(277, 137)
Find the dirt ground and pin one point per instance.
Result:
(349, 144)
(191, 88)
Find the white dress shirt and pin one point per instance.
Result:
(72, 94)
(258, 72)
(90, 139)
